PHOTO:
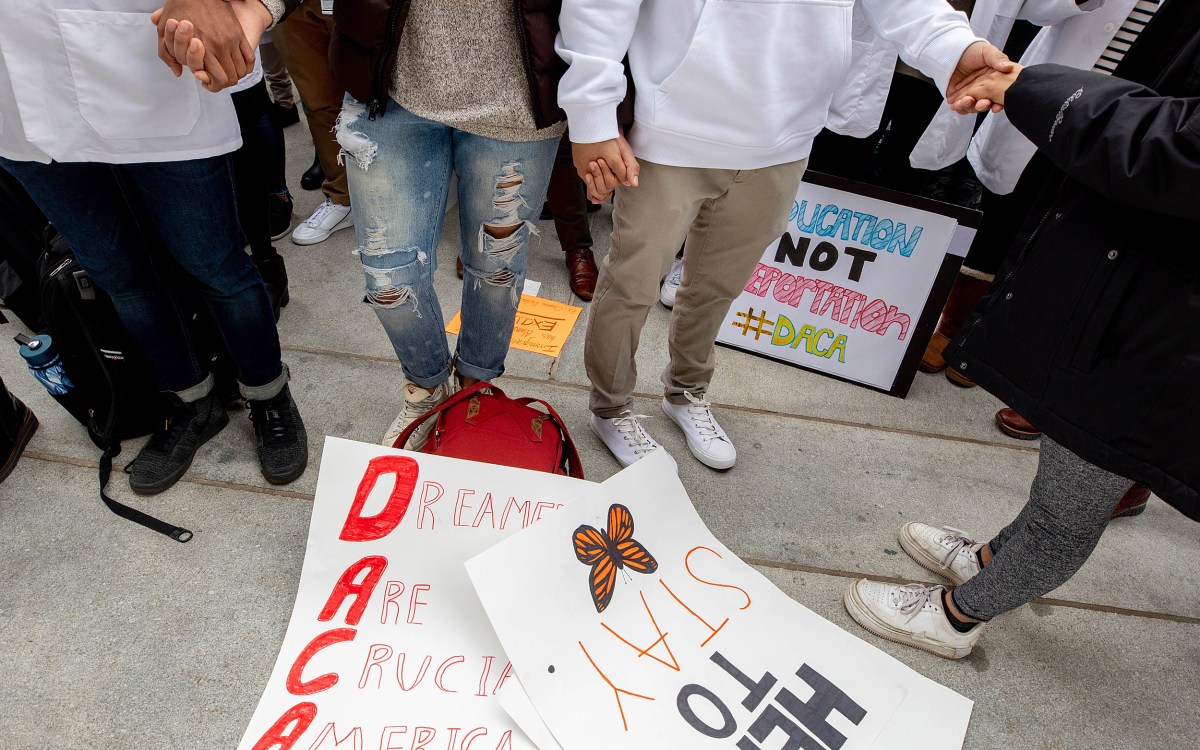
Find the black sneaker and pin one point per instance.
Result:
(279, 216)
(282, 440)
(169, 453)
(284, 116)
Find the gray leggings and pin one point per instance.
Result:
(1069, 507)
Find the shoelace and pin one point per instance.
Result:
(912, 598)
(319, 215)
(274, 421)
(700, 410)
(414, 409)
(959, 539)
(675, 277)
(638, 439)
(167, 437)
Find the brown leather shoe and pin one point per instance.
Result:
(458, 267)
(956, 377)
(1015, 426)
(1133, 503)
(582, 272)
(964, 296)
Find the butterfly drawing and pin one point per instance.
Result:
(609, 551)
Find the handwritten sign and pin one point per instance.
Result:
(855, 287)
(542, 325)
(644, 631)
(388, 647)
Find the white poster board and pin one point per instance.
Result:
(688, 647)
(855, 287)
(388, 647)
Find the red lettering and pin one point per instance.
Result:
(414, 602)
(284, 733)
(471, 736)
(441, 673)
(346, 587)
(422, 736)
(295, 682)
(376, 656)
(359, 528)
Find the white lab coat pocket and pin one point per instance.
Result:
(122, 89)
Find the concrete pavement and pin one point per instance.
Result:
(114, 638)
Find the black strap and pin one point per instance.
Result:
(178, 533)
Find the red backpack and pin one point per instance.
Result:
(480, 423)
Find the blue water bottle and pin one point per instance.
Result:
(45, 364)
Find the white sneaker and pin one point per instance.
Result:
(670, 285)
(911, 615)
(327, 219)
(417, 401)
(947, 552)
(624, 436)
(705, 438)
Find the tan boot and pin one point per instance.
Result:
(969, 288)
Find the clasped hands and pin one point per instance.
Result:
(215, 39)
(979, 81)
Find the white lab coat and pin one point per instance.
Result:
(998, 152)
(80, 80)
(946, 139)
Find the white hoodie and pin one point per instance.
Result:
(732, 84)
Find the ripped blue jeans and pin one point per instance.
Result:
(398, 167)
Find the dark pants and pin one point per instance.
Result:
(258, 166)
(106, 212)
(567, 197)
(22, 232)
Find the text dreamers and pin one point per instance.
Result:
(372, 642)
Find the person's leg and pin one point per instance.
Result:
(17, 425)
(250, 171)
(649, 223)
(567, 198)
(725, 244)
(192, 207)
(304, 41)
(501, 186)
(399, 168)
(85, 202)
(1070, 504)
(22, 240)
(277, 76)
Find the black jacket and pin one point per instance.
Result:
(1092, 329)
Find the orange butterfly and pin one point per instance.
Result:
(610, 551)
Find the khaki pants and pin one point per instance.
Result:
(303, 40)
(728, 217)
(277, 76)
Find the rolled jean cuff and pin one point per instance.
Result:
(468, 370)
(198, 391)
(429, 383)
(269, 390)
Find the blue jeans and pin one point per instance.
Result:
(398, 167)
(102, 210)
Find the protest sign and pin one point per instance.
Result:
(855, 286)
(542, 325)
(388, 647)
(644, 631)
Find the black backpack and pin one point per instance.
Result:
(114, 396)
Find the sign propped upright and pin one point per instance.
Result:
(856, 285)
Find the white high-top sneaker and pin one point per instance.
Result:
(911, 615)
(327, 219)
(705, 438)
(946, 552)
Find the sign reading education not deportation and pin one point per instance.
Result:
(855, 286)
(388, 647)
(630, 626)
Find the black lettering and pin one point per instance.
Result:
(772, 719)
(826, 699)
(790, 250)
(861, 258)
(824, 257)
(758, 690)
(684, 705)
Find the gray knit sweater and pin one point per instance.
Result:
(460, 64)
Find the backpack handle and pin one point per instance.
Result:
(574, 464)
